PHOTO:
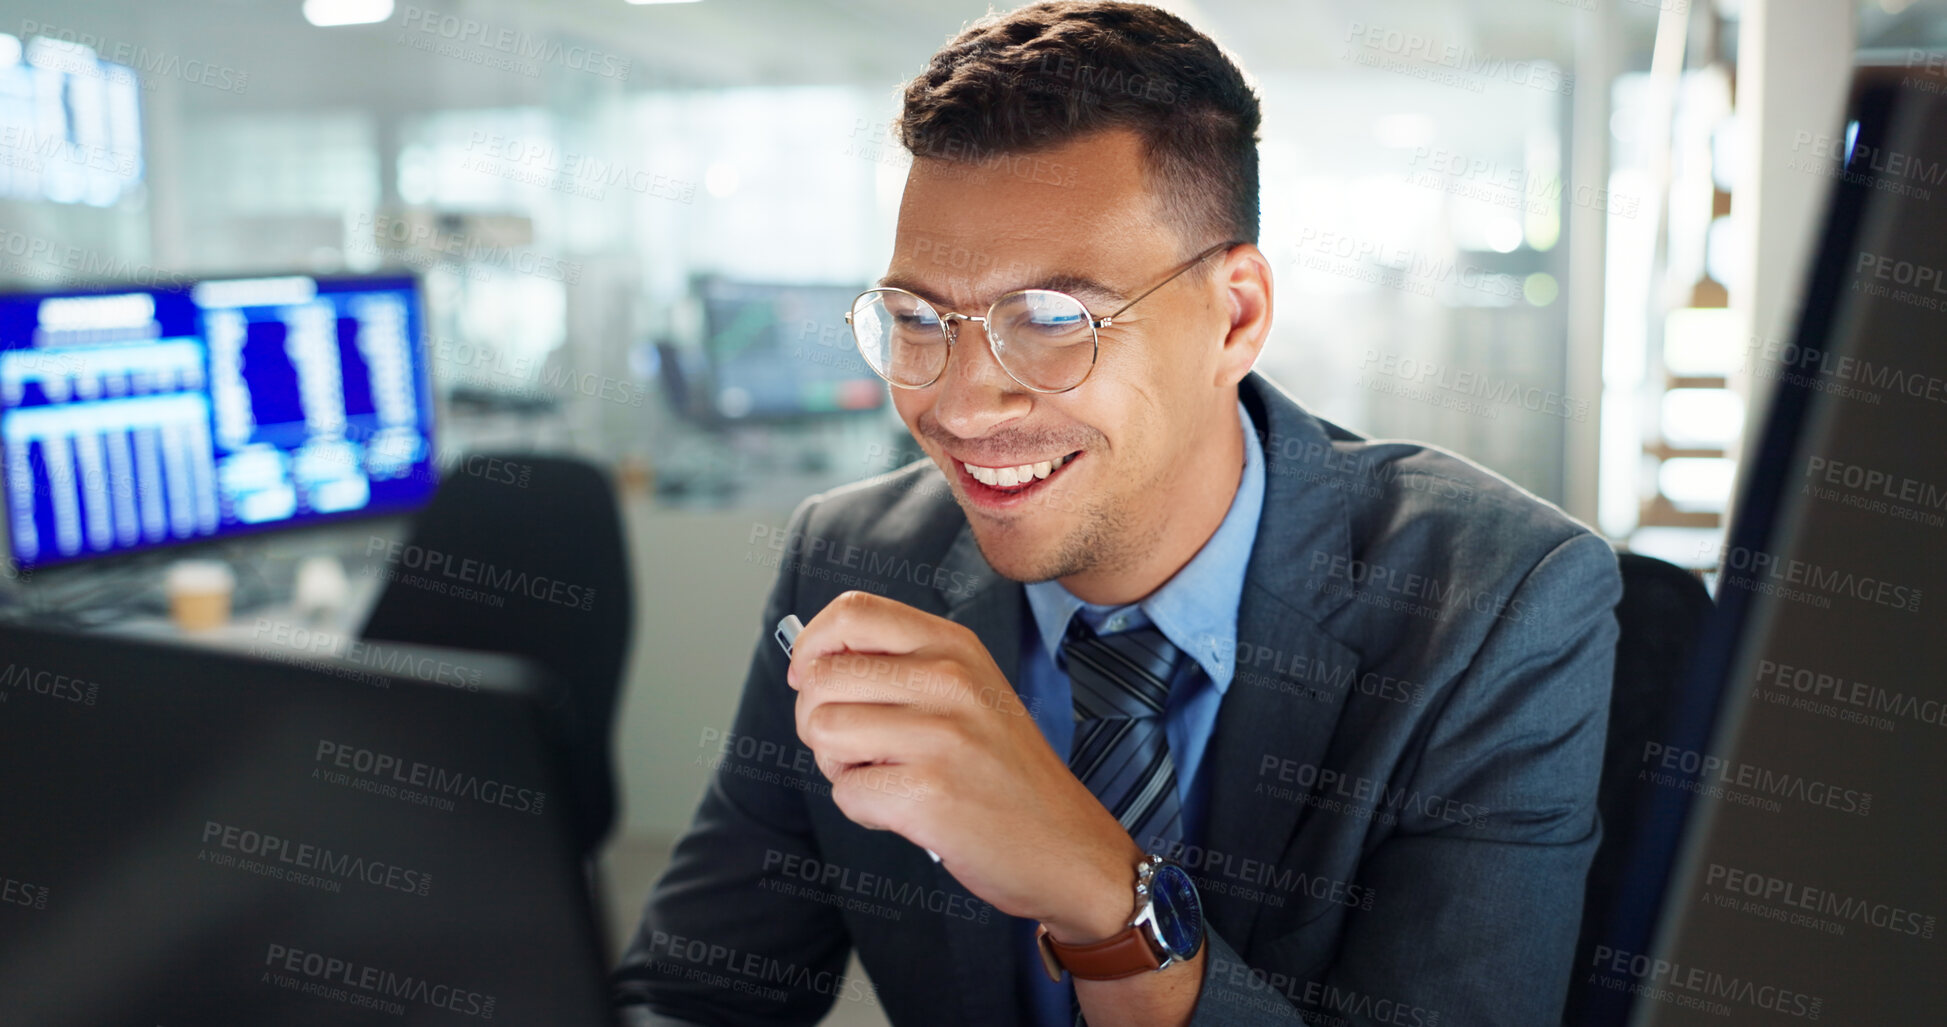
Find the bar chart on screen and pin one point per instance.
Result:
(143, 417)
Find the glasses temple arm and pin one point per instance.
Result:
(1174, 275)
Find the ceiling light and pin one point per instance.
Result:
(327, 13)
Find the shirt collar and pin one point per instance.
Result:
(1197, 608)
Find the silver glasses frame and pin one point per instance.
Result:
(947, 329)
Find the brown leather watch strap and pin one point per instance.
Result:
(1117, 956)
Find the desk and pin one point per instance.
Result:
(277, 629)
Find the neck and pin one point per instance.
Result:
(1188, 515)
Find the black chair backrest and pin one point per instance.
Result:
(549, 580)
(1661, 615)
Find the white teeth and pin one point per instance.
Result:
(1008, 477)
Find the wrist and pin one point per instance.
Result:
(1104, 902)
(1167, 929)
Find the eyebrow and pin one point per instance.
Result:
(1081, 286)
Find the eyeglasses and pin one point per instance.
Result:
(1043, 339)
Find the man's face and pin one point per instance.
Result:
(1133, 432)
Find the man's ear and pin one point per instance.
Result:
(1245, 277)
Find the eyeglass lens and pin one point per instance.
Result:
(1043, 339)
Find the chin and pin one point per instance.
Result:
(1016, 555)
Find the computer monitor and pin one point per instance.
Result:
(367, 835)
(132, 418)
(1792, 870)
(783, 352)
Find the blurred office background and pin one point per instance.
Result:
(1561, 238)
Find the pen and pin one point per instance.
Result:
(786, 635)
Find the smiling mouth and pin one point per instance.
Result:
(998, 482)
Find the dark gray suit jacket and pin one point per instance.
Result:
(1402, 776)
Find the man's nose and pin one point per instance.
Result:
(975, 393)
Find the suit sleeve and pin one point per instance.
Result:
(1475, 917)
(716, 945)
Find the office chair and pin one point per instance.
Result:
(552, 584)
(1661, 615)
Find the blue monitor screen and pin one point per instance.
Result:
(132, 418)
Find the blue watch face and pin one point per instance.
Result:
(1179, 914)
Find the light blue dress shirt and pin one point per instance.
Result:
(1197, 611)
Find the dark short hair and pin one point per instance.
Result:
(1042, 75)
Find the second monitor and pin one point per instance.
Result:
(138, 417)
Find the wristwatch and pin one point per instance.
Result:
(1167, 928)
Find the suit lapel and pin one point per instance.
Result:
(991, 608)
(983, 954)
(1289, 689)
(1269, 718)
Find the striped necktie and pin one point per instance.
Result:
(1121, 684)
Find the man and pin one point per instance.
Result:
(1136, 601)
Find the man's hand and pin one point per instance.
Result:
(888, 693)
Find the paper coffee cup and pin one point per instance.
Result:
(199, 594)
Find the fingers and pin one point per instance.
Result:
(884, 696)
(863, 622)
(852, 733)
(873, 677)
(881, 796)
(869, 752)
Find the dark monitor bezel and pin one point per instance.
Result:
(513, 690)
(1641, 906)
